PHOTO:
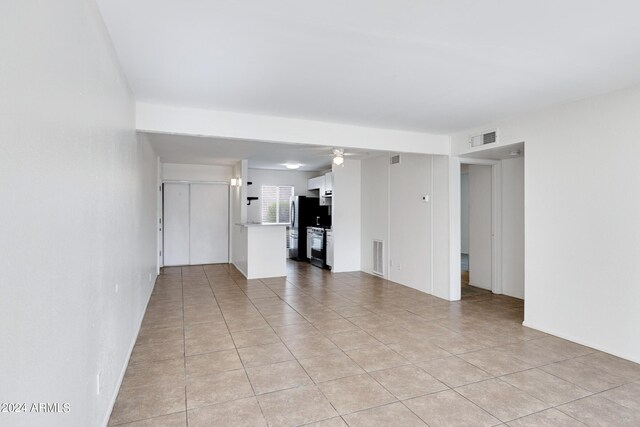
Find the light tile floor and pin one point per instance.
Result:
(352, 349)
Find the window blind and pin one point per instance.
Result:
(276, 206)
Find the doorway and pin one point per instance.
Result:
(476, 230)
(492, 222)
(196, 223)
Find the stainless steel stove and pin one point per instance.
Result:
(318, 247)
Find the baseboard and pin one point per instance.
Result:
(126, 363)
(581, 342)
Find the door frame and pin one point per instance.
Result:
(496, 224)
(160, 217)
(189, 182)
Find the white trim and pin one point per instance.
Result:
(189, 222)
(189, 182)
(496, 224)
(159, 216)
(387, 269)
(454, 230)
(430, 231)
(230, 236)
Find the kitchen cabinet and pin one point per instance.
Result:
(328, 183)
(315, 183)
(329, 246)
(320, 183)
(324, 200)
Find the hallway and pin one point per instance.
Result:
(218, 350)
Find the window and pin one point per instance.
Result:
(276, 205)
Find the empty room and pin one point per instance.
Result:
(319, 213)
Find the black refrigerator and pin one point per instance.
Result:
(304, 213)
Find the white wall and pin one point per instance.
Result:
(410, 222)
(444, 246)
(480, 226)
(375, 210)
(464, 211)
(513, 227)
(582, 240)
(346, 218)
(260, 177)
(78, 217)
(416, 234)
(185, 172)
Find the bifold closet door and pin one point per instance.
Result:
(209, 224)
(176, 224)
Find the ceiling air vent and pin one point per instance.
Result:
(484, 138)
(395, 159)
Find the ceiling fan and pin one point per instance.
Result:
(338, 154)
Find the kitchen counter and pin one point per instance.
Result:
(261, 250)
(258, 224)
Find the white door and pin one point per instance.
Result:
(480, 226)
(209, 224)
(176, 224)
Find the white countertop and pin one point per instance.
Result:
(257, 224)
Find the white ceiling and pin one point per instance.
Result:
(427, 65)
(217, 151)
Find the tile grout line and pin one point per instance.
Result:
(279, 337)
(184, 349)
(323, 301)
(244, 368)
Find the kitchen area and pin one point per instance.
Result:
(266, 207)
(311, 233)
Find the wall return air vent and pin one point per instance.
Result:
(484, 138)
(378, 257)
